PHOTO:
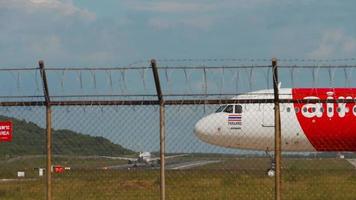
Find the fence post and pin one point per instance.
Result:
(277, 129)
(161, 130)
(48, 130)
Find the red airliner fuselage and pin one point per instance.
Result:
(328, 126)
(306, 126)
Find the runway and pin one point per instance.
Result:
(169, 166)
(352, 162)
(4, 180)
(192, 164)
(123, 166)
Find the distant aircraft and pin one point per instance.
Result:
(144, 158)
(306, 127)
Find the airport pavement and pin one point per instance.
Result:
(4, 180)
(192, 164)
(172, 166)
(352, 162)
(123, 166)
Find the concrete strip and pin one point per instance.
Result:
(352, 162)
(4, 180)
(189, 165)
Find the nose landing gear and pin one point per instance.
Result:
(271, 172)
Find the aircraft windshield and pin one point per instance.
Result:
(238, 109)
(220, 109)
(229, 109)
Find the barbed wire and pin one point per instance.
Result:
(176, 67)
(18, 68)
(95, 68)
(143, 63)
(254, 60)
(200, 80)
(315, 60)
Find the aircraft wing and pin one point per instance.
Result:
(120, 158)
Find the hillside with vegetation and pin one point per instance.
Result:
(30, 139)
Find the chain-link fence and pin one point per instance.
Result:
(185, 129)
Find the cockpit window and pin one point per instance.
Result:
(220, 109)
(238, 109)
(229, 109)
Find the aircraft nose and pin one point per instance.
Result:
(203, 128)
(214, 129)
(198, 128)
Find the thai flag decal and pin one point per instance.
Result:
(234, 119)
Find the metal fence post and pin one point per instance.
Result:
(277, 129)
(48, 130)
(162, 151)
(161, 130)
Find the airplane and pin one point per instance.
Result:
(305, 127)
(143, 159)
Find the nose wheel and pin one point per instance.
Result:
(271, 172)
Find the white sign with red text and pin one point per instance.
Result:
(5, 131)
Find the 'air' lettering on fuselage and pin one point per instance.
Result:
(328, 126)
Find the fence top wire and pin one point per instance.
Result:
(95, 68)
(18, 68)
(255, 60)
(177, 67)
(214, 78)
(168, 63)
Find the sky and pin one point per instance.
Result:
(120, 32)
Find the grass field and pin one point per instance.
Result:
(230, 179)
